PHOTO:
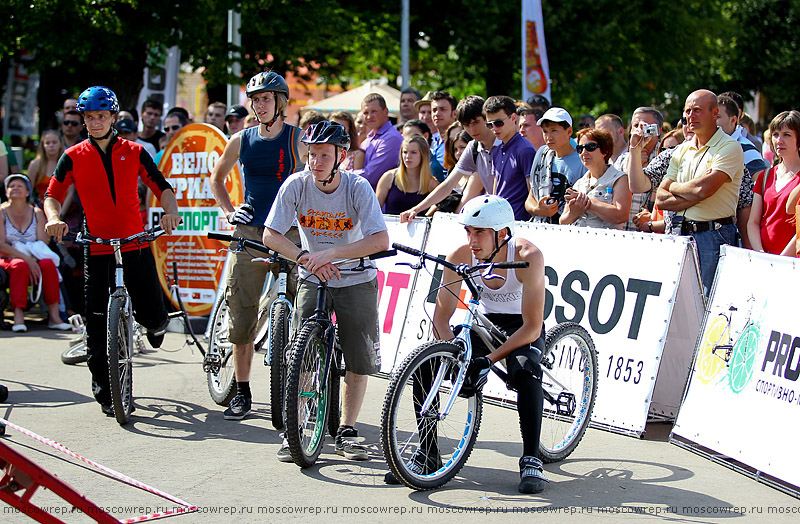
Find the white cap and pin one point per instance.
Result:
(556, 114)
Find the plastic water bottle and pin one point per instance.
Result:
(609, 196)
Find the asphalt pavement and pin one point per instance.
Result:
(178, 442)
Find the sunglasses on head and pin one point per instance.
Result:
(73, 123)
(497, 123)
(172, 128)
(591, 146)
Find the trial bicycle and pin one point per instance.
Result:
(272, 330)
(313, 379)
(119, 321)
(428, 431)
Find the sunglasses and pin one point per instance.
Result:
(172, 128)
(497, 123)
(591, 146)
(72, 123)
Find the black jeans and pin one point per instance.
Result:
(141, 281)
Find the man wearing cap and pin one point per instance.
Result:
(382, 146)
(234, 119)
(556, 167)
(127, 129)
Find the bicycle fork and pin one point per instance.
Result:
(283, 278)
(465, 357)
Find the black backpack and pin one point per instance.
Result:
(4, 299)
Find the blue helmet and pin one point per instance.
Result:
(98, 98)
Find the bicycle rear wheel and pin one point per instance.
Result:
(120, 359)
(278, 340)
(569, 366)
(222, 384)
(306, 399)
(425, 451)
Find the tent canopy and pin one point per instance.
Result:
(351, 100)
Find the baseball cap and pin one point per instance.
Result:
(556, 114)
(25, 179)
(126, 126)
(237, 110)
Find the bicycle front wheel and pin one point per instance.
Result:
(425, 448)
(569, 380)
(120, 359)
(222, 384)
(306, 398)
(278, 340)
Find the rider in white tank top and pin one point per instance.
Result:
(507, 299)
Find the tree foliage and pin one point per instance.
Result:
(604, 55)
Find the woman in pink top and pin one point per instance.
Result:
(771, 226)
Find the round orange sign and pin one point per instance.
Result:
(187, 164)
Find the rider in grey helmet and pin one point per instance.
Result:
(269, 154)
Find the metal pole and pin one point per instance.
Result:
(404, 43)
(235, 38)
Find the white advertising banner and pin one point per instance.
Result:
(395, 285)
(743, 399)
(535, 68)
(622, 287)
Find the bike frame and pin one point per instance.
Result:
(491, 335)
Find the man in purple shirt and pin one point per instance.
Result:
(382, 146)
(511, 162)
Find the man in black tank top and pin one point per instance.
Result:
(269, 155)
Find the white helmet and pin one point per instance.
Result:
(488, 211)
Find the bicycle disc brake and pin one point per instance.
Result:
(565, 404)
(212, 363)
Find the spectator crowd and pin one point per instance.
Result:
(706, 175)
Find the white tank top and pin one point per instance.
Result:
(508, 298)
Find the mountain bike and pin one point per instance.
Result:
(313, 379)
(272, 330)
(428, 431)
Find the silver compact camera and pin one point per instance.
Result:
(649, 130)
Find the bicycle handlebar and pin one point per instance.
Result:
(460, 269)
(258, 246)
(85, 238)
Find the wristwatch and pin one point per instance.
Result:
(650, 226)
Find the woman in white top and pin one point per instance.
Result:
(601, 198)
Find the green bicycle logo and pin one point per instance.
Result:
(719, 351)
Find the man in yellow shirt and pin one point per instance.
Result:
(702, 183)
